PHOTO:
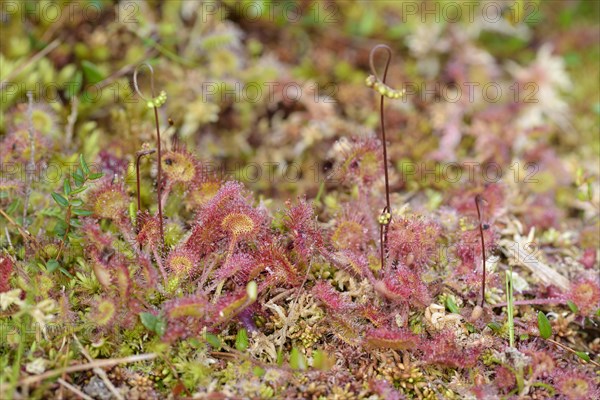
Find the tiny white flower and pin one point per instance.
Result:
(36, 367)
(9, 298)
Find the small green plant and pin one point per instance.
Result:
(154, 323)
(510, 308)
(241, 339)
(72, 206)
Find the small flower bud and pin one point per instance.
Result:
(370, 81)
(252, 290)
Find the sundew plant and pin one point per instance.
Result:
(299, 200)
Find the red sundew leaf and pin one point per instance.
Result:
(413, 240)
(443, 349)
(353, 262)
(6, 269)
(227, 215)
(108, 200)
(574, 384)
(186, 317)
(346, 330)
(238, 264)
(585, 293)
(301, 222)
(374, 315)
(391, 339)
(404, 285)
(273, 259)
(331, 298)
(181, 166)
(182, 262)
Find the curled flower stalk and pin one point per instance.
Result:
(154, 103)
(384, 90)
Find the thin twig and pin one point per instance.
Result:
(7, 233)
(85, 367)
(74, 389)
(532, 302)
(562, 346)
(54, 44)
(27, 237)
(100, 372)
(71, 121)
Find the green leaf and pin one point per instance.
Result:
(496, 327)
(573, 307)
(84, 165)
(96, 175)
(83, 213)
(583, 355)
(13, 206)
(60, 228)
(75, 223)
(76, 202)
(148, 320)
(544, 325)
(74, 85)
(297, 360)
(322, 360)
(132, 212)
(280, 357)
(78, 190)
(78, 178)
(91, 72)
(241, 340)
(52, 265)
(213, 340)
(60, 199)
(160, 327)
(67, 187)
(451, 305)
(66, 273)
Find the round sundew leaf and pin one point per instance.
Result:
(52, 265)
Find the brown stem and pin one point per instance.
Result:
(158, 147)
(62, 243)
(478, 199)
(388, 207)
(562, 346)
(159, 180)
